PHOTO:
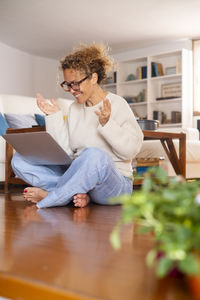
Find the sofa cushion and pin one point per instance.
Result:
(155, 149)
(20, 121)
(40, 119)
(3, 124)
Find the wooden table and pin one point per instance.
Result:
(178, 161)
(64, 253)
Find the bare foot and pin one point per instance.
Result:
(81, 200)
(34, 194)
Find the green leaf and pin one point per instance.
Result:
(115, 239)
(147, 184)
(162, 175)
(169, 194)
(128, 213)
(189, 265)
(163, 266)
(150, 258)
(120, 199)
(145, 229)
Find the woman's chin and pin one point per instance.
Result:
(80, 100)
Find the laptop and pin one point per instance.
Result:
(38, 147)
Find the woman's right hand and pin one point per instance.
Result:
(45, 106)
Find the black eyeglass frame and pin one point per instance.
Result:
(71, 84)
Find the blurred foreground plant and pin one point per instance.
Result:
(169, 207)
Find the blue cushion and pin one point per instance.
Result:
(40, 119)
(3, 124)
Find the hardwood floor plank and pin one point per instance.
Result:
(65, 252)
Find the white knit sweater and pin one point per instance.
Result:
(121, 136)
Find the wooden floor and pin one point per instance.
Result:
(65, 253)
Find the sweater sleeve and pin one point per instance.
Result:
(59, 130)
(123, 133)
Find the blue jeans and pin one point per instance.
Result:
(92, 172)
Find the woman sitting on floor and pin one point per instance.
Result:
(100, 132)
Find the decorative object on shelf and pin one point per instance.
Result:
(168, 208)
(128, 99)
(131, 77)
(135, 113)
(148, 124)
(170, 70)
(109, 80)
(156, 69)
(141, 97)
(171, 89)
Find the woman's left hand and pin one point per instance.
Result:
(104, 112)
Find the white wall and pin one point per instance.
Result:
(25, 74)
(16, 74)
(157, 48)
(45, 78)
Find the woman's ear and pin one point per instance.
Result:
(94, 78)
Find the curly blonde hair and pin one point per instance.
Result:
(89, 59)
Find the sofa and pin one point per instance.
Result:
(22, 105)
(27, 105)
(153, 148)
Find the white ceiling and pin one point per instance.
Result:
(51, 28)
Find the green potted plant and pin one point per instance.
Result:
(169, 207)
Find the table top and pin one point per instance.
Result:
(163, 134)
(66, 252)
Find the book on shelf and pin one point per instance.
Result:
(160, 116)
(142, 72)
(139, 73)
(114, 76)
(156, 69)
(176, 117)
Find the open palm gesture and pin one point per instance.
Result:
(45, 106)
(104, 112)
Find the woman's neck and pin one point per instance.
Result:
(97, 96)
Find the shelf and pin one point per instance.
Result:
(137, 104)
(166, 77)
(110, 85)
(155, 87)
(156, 102)
(133, 81)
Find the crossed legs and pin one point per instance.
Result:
(91, 175)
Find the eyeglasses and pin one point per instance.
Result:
(75, 85)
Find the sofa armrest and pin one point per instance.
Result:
(191, 133)
(21, 130)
